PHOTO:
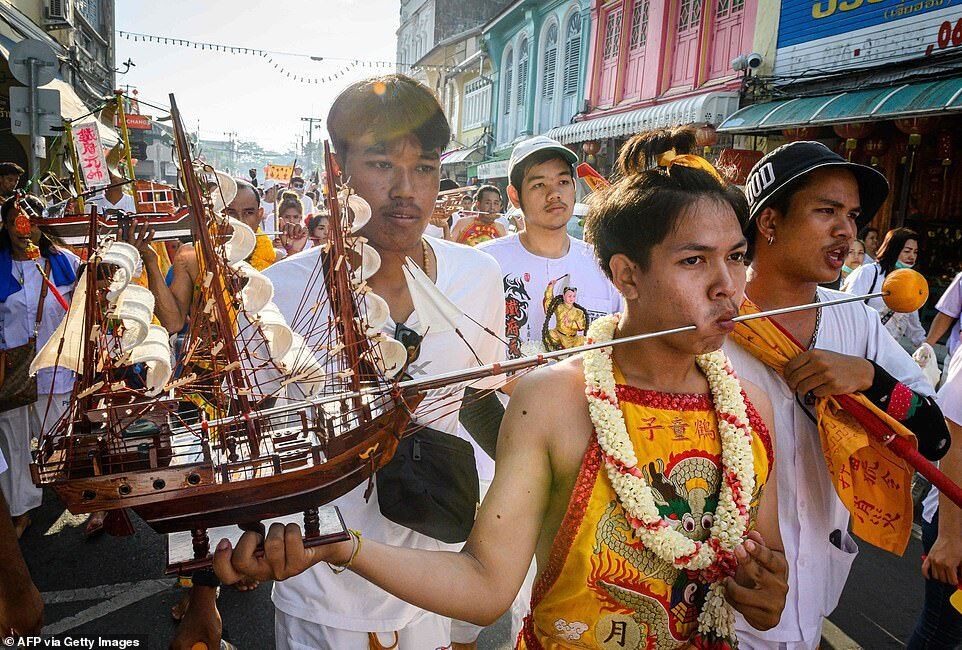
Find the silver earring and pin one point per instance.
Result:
(771, 239)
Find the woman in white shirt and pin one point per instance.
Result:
(293, 237)
(21, 290)
(900, 250)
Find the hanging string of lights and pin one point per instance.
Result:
(271, 56)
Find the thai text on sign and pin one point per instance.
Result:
(279, 172)
(90, 154)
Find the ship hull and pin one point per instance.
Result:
(190, 497)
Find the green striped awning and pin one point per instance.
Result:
(900, 100)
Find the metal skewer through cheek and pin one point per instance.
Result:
(523, 363)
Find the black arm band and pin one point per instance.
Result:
(926, 422)
(882, 386)
(481, 414)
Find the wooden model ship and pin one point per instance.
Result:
(239, 456)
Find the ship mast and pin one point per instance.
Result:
(357, 348)
(207, 262)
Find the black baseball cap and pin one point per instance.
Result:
(777, 170)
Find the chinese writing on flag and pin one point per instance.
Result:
(280, 173)
(90, 153)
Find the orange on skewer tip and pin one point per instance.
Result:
(905, 290)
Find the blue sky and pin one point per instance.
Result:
(245, 94)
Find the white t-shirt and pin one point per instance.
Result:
(809, 510)
(434, 231)
(868, 278)
(950, 304)
(126, 203)
(526, 277)
(472, 281)
(950, 401)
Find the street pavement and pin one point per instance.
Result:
(116, 585)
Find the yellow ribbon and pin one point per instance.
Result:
(691, 161)
(664, 160)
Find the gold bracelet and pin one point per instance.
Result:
(341, 568)
(357, 549)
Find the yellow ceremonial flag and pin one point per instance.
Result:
(280, 173)
(872, 481)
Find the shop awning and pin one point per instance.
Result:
(464, 156)
(72, 108)
(495, 167)
(710, 107)
(897, 101)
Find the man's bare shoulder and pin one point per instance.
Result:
(186, 253)
(548, 413)
(564, 379)
(556, 393)
(186, 257)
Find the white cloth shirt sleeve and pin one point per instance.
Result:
(884, 350)
(950, 394)
(860, 282)
(950, 303)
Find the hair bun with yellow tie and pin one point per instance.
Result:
(658, 179)
(664, 149)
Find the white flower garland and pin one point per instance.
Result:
(713, 557)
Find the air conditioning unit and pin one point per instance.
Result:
(57, 14)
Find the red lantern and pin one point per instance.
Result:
(591, 148)
(917, 125)
(855, 131)
(802, 133)
(706, 136)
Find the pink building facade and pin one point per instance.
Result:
(648, 51)
(660, 63)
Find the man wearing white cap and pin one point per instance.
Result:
(553, 287)
(552, 284)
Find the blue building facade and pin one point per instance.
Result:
(539, 56)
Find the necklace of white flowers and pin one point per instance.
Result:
(713, 558)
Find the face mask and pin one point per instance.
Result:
(900, 265)
(847, 269)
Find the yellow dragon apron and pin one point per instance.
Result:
(602, 589)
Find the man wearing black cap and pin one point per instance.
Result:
(807, 204)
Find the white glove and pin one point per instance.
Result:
(925, 357)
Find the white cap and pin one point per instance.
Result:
(269, 183)
(533, 145)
